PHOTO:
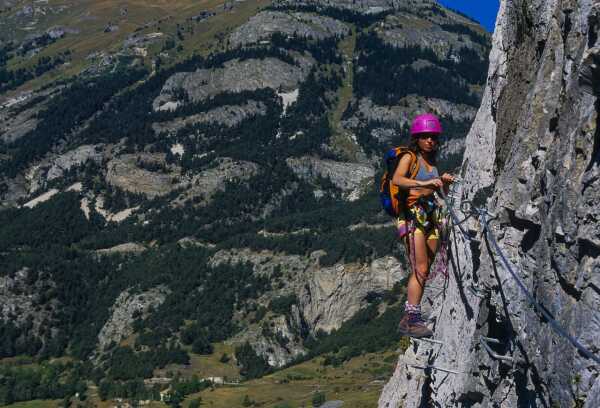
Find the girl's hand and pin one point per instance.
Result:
(447, 178)
(433, 183)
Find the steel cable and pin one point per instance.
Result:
(492, 239)
(553, 323)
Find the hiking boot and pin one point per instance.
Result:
(412, 325)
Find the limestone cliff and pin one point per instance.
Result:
(532, 159)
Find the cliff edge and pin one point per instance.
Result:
(532, 159)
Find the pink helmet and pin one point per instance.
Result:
(426, 123)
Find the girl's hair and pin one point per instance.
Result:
(414, 146)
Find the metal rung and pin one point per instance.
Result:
(491, 340)
(432, 367)
(441, 343)
(484, 342)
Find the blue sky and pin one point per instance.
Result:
(483, 11)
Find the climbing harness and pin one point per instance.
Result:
(440, 221)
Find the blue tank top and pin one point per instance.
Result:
(423, 174)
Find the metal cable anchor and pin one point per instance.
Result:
(484, 342)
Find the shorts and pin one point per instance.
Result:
(422, 218)
(404, 227)
(431, 234)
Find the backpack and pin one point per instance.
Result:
(392, 198)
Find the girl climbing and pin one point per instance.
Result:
(419, 222)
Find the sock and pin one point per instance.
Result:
(412, 309)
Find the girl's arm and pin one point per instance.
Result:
(406, 183)
(447, 179)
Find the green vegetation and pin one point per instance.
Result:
(366, 332)
(350, 16)
(318, 399)
(62, 116)
(357, 382)
(48, 381)
(474, 35)
(53, 245)
(252, 365)
(11, 79)
(385, 74)
(283, 304)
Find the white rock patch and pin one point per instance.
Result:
(77, 187)
(40, 199)
(178, 148)
(288, 98)
(113, 217)
(122, 215)
(85, 207)
(168, 106)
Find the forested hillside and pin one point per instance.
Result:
(190, 198)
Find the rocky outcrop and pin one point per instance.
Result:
(333, 295)
(406, 30)
(263, 25)
(127, 307)
(126, 248)
(204, 185)
(13, 125)
(235, 76)
(363, 7)
(130, 172)
(351, 178)
(532, 159)
(230, 115)
(54, 167)
(327, 296)
(126, 173)
(402, 114)
(20, 302)
(274, 340)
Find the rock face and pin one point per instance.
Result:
(205, 184)
(400, 115)
(127, 248)
(128, 173)
(19, 302)
(235, 76)
(14, 126)
(125, 173)
(263, 25)
(54, 167)
(532, 159)
(351, 178)
(125, 310)
(399, 32)
(333, 295)
(327, 296)
(230, 115)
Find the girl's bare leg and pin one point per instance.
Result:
(432, 247)
(424, 255)
(416, 281)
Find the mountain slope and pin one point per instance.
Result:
(158, 202)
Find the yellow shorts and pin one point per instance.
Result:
(405, 228)
(430, 234)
